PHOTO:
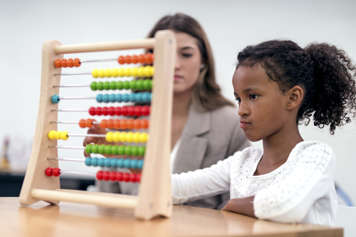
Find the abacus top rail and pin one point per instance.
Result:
(105, 46)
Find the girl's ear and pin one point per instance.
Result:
(295, 97)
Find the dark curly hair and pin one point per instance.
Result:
(325, 73)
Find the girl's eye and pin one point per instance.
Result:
(187, 55)
(238, 100)
(252, 96)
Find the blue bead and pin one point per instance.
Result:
(88, 161)
(112, 98)
(55, 99)
(133, 164)
(113, 163)
(94, 161)
(148, 97)
(119, 163)
(107, 162)
(99, 98)
(125, 97)
(126, 163)
(140, 164)
(118, 98)
(101, 162)
(106, 98)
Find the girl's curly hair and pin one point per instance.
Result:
(325, 72)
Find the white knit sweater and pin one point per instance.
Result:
(301, 190)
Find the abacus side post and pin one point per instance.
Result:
(155, 188)
(35, 177)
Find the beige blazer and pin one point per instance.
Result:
(209, 136)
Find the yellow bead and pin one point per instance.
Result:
(124, 72)
(136, 137)
(121, 72)
(63, 135)
(95, 73)
(107, 72)
(52, 135)
(116, 136)
(152, 71)
(130, 137)
(122, 136)
(101, 73)
(134, 71)
(109, 137)
(143, 137)
(129, 72)
(140, 72)
(116, 72)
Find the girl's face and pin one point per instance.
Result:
(261, 103)
(188, 63)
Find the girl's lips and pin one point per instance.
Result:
(176, 77)
(244, 125)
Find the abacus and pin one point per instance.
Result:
(42, 179)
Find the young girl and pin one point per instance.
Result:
(278, 84)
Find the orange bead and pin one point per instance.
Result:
(147, 59)
(103, 123)
(134, 58)
(57, 63)
(82, 123)
(70, 62)
(64, 62)
(76, 62)
(116, 124)
(145, 124)
(151, 58)
(121, 60)
(128, 59)
(123, 124)
(90, 123)
(110, 123)
(130, 124)
(141, 58)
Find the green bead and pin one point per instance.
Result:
(121, 150)
(107, 85)
(147, 84)
(88, 148)
(113, 85)
(134, 150)
(126, 85)
(141, 150)
(101, 149)
(128, 150)
(132, 85)
(115, 150)
(94, 148)
(107, 150)
(119, 85)
(93, 86)
(139, 85)
(100, 85)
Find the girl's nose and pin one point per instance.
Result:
(243, 110)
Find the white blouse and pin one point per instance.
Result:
(301, 190)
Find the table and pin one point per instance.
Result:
(70, 219)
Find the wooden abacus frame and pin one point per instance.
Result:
(154, 196)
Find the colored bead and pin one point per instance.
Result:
(141, 151)
(107, 162)
(88, 148)
(121, 59)
(101, 162)
(100, 85)
(57, 63)
(95, 73)
(112, 176)
(94, 161)
(119, 176)
(63, 135)
(121, 150)
(101, 149)
(126, 85)
(77, 62)
(88, 161)
(119, 163)
(99, 175)
(106, 175)
(52, 134)
(109, 137)
(113, 85)
(140, 164)
(49, 171)
(82, 123)
(94, 148)
(99, 98)
(133, 164)
(112, 163)
(55, 99)
(126, 163)
(56, 171)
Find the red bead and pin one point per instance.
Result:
(49, 171)
(126, 177)
(137, 110)
(105, 111)
(98, 111)
(145, 110)
(117, 111)
(124, 111)
(99, 175)
(106, 175)
(111, 110)
(113, 175)
(138, 177)
(56, 171)
(119, 176)
(92, 111)
(130, 111)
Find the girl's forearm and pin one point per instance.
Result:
(241, 205)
